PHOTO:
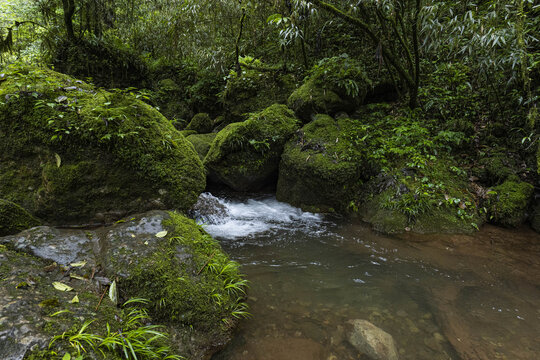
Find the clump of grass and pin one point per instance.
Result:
(136, 340)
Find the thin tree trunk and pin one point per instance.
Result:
(238, 69)
(69, 10)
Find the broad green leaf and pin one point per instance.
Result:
(62, 287)
(67, 356)
(75, 300)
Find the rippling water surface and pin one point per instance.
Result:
(440, 297)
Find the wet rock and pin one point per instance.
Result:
(146, 255)
(209, 209)
(371, 340)
(61, 246)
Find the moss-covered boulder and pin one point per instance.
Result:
(201, 123)
(335, 84)
(255, 89)
(14, 218)
(313, 172)
(71, 153)
(508, 203)
(380, 167)
(202, 143)
(190, 286)
(245, 155)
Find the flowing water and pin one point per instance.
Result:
(440, 297)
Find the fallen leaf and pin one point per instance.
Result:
(146, 242)
(161, 234)
(62, 287)
(75, 300)
(22, 285)
(78, 264)
(75, 276)
(113, 293)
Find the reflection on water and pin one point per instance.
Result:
(440, 297)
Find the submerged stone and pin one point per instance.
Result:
(70, 153)
(371, 340)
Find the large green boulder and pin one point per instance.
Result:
(380, 167)
(201, 123)
(14, 218)
(71, 153)
(245, 155)
(314, 172)
(335, 84)
(254, 89)
(508, 202)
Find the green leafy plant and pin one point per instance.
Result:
(135, 340)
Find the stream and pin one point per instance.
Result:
(439, 296)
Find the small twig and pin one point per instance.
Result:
(210, 258)
(101, 299)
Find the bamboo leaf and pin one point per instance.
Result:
(62, 287)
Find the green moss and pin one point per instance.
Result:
(246, 155)
(254, 91)
(509, 204)
(334, 84)
(314, 170)
(381, 166)
(189, 279)
(494, 169)
(14, 218)
(50, 119)
(311, 99)
(201, 123)
(202, 143)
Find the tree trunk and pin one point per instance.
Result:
(69, 10)
(238, 69)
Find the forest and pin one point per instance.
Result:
(412, 117)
